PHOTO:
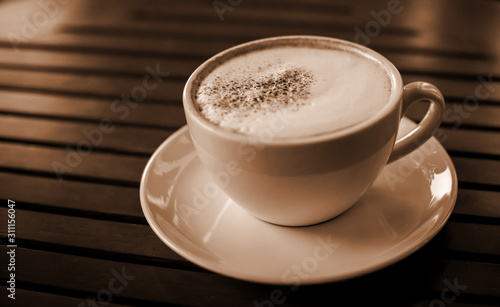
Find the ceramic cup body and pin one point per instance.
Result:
(307, 180)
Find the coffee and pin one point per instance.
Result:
(294, 129)
(310, 90)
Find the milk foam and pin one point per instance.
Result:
(288, 92)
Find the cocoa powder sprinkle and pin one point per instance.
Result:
(263, 92)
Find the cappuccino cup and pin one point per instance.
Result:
(295, 129)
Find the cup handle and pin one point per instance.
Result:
(413, 93)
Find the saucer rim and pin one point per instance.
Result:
(206, 264)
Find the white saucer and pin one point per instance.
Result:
(407, 205)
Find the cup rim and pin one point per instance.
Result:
(395, 96)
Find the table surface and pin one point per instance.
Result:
(66, 67)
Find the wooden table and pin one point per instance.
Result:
(76, 131)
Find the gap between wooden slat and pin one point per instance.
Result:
(458, 115)
(71, 108)
(478, 203)
(133, 140)
(477, 171)
(95, 64)
(155, 283)
(193, 48)
(92, 63)
(51, 162)
(88, 138)
(104, 199)
(164, 284)
(114, 88)
(123, 238)
(103, 166)
(27, 297)
(107, 236)
(97, 198)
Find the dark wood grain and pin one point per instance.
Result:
(103, 199)
(159, 15)
(474, 238)
(97, 198)
(477, 170)
(107, 87)
(472, 141)
(85, 63)
(91, 234)
(102, 64)
(120, 138)
(29, 298)
(50, 161)
(146, 283)
(90, 109)
(458, 116)
(122, 238)
(478, 203)
(461, 89)
(171, 286)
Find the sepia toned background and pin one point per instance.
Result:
(89, 89)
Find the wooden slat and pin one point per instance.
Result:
(421, 42)
(457, 115)
(122, 238)
(193, 288)
(199, 28)
(425, 272)
(478, 203)
(147, 283)
(120, 64)
(112, 87)
(124, 45)
(460, 89)
(248, 14)
(130, 11)
(48, 60)
(91, 63)
(126, 139)
(187, 47)
(196, 48)
(29, 297)
(146, 140)
(477, 170)
(432, 64)
(276, 5)
(471, 141)
(125, 201)
(36, 104)
(115, 237)
(469, 237)
(362, 16)
(95, 165)
(82, 196)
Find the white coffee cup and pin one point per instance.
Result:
(308, 180)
